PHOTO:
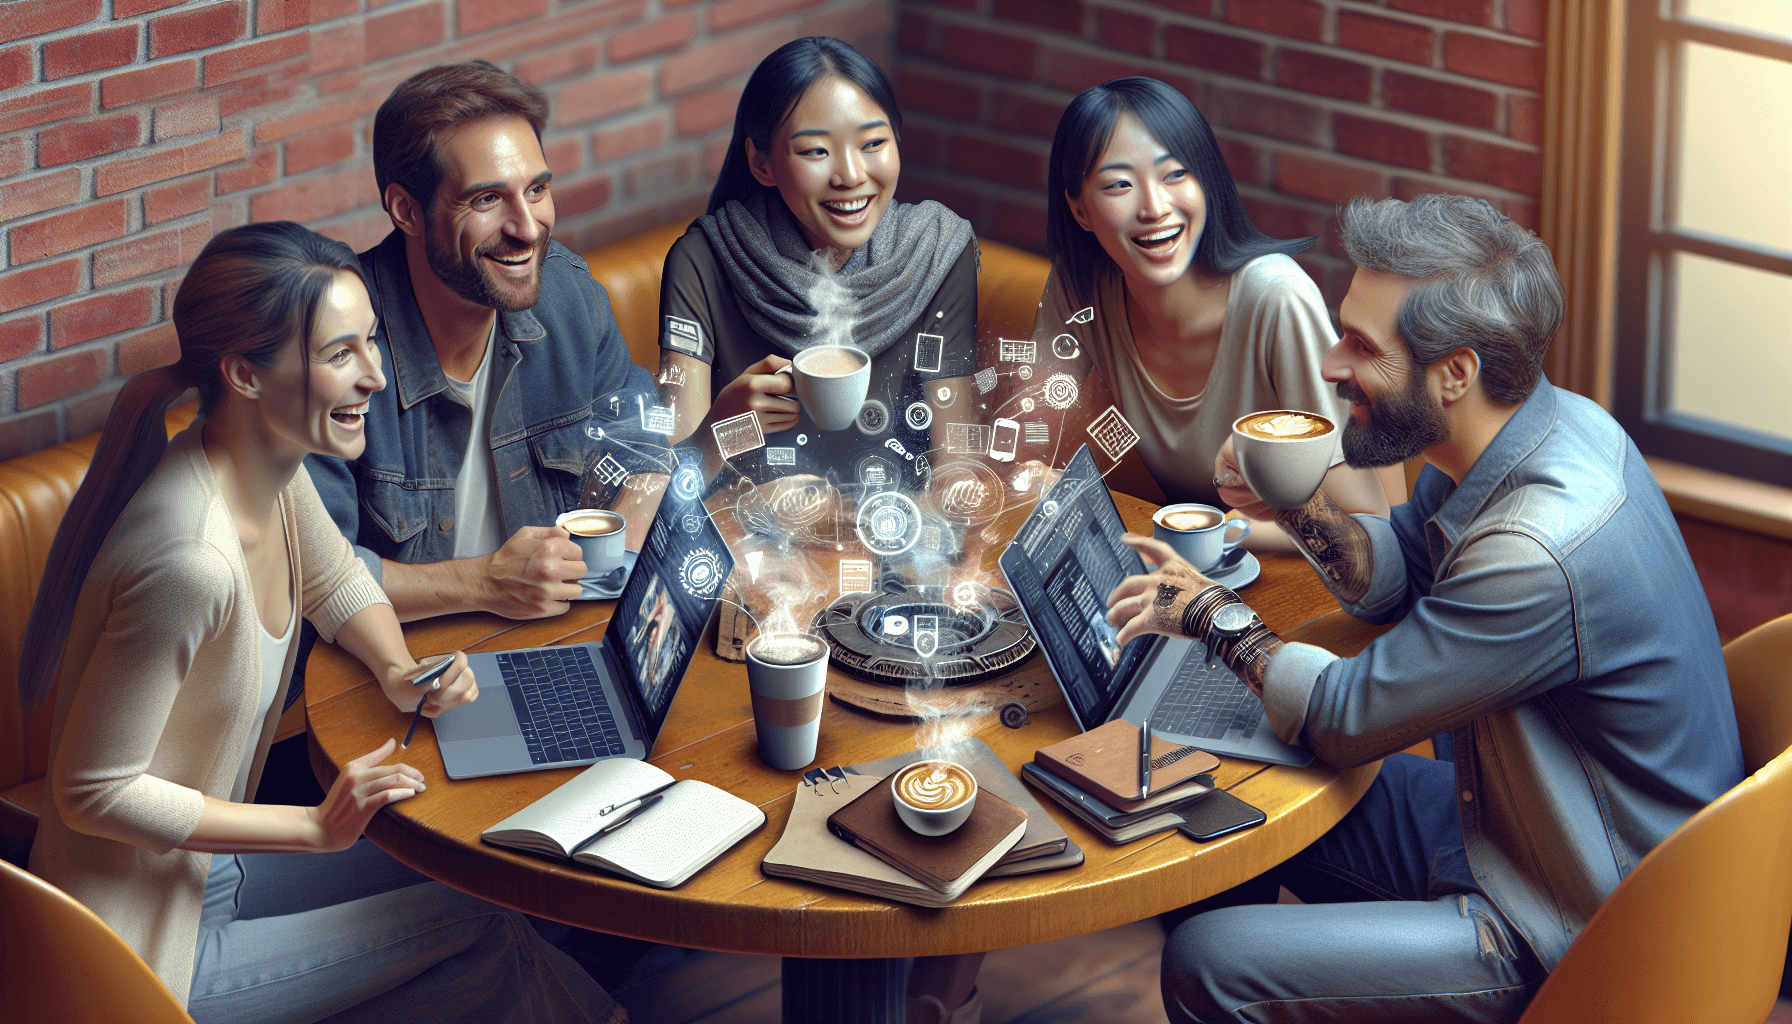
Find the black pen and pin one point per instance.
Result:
(1145, 759)
(429, 675)
(630, 816)
(656, 791)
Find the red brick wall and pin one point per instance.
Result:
(1313, 101)
(130, 131)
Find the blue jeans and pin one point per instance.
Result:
(357, 936)
(1394, 927)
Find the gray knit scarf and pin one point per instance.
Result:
(768, 262)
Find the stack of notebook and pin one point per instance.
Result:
(1095, 775)
(811, 852)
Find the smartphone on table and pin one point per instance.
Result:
(1217, 814)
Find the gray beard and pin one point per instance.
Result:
(1400, 426)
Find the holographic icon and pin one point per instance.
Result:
(1049, 509)
(738, 435)
(928, 349)
(927, 635)
(656, 419)
(923, 469)
(895, 625)
(1065, 346)
(855, 576)
(1082, 316)
(1038, 432)
(889, 523)
(1003, 439)
(1026, 405)
(942, 396)
(609, 471)
(687, 482)
(896, 446)
(754, 557)
(672, 375)
(967, 438)
(798, 502)
(1024, 373)
(1113, 434)
(985, 380)
(802, 439)
(965, 492)
(965, 595)
(876, 471)
(1017, 351)
(615, 407)
(683, 335)
(780, 456)
(874, 417)
(918, 415)
(595, 433)
(1060, 391)
(701, 572)
(693, 523)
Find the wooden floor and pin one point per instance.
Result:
(1109, 977)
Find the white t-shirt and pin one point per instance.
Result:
(478, 528)
(273, 664)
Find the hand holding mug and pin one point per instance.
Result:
(763, 389)
(1233, 490)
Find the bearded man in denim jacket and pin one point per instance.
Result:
(507, 368)
(1549, 618)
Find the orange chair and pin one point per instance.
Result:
(63, 964)
(1697, 932)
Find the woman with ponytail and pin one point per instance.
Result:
(168, 610)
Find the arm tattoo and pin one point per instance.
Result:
(1336, 544)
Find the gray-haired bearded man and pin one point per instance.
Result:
(1549, 618)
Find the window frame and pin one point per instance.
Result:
(1647, 242)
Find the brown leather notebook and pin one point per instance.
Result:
(871, 824)
(1104, 762)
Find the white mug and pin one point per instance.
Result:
(1202, 547)
(1284, 471)
(602, 546)
(833, 400)
(933, 821)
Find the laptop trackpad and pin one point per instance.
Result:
(490, 715)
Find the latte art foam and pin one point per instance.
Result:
(1287, 425)
(935, 786)
(829, 362)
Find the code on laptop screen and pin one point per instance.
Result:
(1066, 559)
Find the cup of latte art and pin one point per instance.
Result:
(1284, 454)
(934, 797)
(600, 535)
(831, 383)
(788, 674)
(1199, 533)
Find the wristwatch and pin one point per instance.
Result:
(1228, 624)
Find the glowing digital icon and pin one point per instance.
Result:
(802, 439)
(1082, 316)
(738, 435)
(1024, 373)
(927, 635)
(896, 446)
(1026, 405)
(967, 438)
(609, 471)
(1060, 391)
(1038, 432)
(966, 492)
(780, 456)
(1065, 346)
(1049, 509)
(701, 572)
(875, 472)
(889, 523)
(895, 625)
(928, 350)
(1113, 434)
(693, 523)
(672, 375)
(855, 576)
(615, 407)
(656, 419)
(1017, 351)
(1003, 439)
(985, 380)
(753, 559)
(919, 415)
(932, 538)
(687, 482)
(942, 396)
(874, 417)
(923, 469)
(683, 335)
(965, 595)
(595, 433)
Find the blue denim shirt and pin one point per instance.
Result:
(556, 369)
(1550, 618)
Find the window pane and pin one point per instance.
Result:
(1773, 16)
(1736, 146)
(1732, 344)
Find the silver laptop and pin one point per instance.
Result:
(555, 707)
(1066, 559)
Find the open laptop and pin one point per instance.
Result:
(554, 707)
(1066, 559)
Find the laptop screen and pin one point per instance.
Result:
(665, 605)
(1066, 559)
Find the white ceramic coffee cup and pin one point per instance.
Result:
(933, 821)
(603, 551)
(787, 702)
(1284, 471)
(833, 401)
(1203, 547)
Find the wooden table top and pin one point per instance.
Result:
(731, 905)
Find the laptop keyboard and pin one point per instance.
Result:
(1206, 703)
(560, 702)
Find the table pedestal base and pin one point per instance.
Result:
(844, 991)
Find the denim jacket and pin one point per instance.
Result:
(1550, 618)
(560, 374)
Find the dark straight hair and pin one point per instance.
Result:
(774, 90)
(1228, 241)
(252, 291)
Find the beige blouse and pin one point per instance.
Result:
(1276, 334)
(158, 694)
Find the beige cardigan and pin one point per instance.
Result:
(158, 692)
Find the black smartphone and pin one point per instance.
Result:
(1216, 814)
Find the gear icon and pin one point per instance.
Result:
(874, 417)
(701, 572)
(919, 416)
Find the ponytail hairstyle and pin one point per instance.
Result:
(253, 290)
(777, 85)
(1228, 241)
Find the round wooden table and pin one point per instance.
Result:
(731, 905)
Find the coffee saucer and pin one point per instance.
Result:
(603, 588)
(1244, 572)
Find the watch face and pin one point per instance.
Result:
(1233, 618)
